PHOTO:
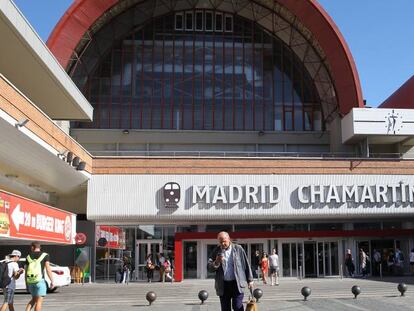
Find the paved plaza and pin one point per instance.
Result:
(327, 294)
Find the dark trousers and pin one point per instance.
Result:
(231, 297)
(254, 271)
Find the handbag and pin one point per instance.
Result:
(252, 305)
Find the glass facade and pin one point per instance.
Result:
(300, 256)
(202, 70)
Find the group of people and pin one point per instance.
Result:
(391, 262)
(163, 265)
(36, 263)
(266, 264)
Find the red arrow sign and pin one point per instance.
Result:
(35, 221)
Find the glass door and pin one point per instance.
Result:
(292, 258)
(190, 260)
(310, 259)
(145, 248)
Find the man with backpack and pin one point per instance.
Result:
(9, 273)
(37, 262)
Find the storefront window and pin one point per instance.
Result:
(238, 228)
(149, 232)
(291, 227)
(391, 225)
(325, 227)
(219, 228)
(367, 226)
(187, 228)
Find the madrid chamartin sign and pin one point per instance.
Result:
(305, 194)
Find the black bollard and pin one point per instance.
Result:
(402, 288)
(151, 296)
(202, 295)
(356, 290)
(257, 293)
(306, 291)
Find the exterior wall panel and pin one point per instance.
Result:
(132, 198)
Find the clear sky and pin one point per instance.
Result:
(379, 33)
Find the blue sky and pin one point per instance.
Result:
(380, 35)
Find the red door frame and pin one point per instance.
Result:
(194, 236)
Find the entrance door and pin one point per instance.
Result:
(310, 259)
(190, 260)
(327, 258)
(292, 258)
(145, 248)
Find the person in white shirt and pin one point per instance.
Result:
(274, 268)
(14, 273)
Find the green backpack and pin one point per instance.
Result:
(34, 272)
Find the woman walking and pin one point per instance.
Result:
(150, 268)
(264, 267)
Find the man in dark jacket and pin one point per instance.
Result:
(233, 272)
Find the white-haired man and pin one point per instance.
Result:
(233, 272)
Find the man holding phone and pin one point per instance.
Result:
(233, 272)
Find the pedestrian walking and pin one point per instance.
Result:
(274, 268)
(37, 262)
(167, 270)
(412, 261)
(161, 261)
(233, 272)
(363, 262)
(391, 262)
(256, 264)
(349, 263)
(126, 269)
(9, 276)
(376, 258)
(150, 267)
(399, 262)
(264, 267)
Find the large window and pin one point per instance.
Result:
(202, 70)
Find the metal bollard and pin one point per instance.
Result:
(300, 273)
(341, 271)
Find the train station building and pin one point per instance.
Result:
(193, 117)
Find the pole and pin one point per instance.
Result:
(300, 272)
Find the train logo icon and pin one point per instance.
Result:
(172, 194)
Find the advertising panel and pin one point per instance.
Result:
(22, 218)
(114, 236)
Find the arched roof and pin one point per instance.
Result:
(83, 14)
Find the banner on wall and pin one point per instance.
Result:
(22, 218)
(114, 236)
